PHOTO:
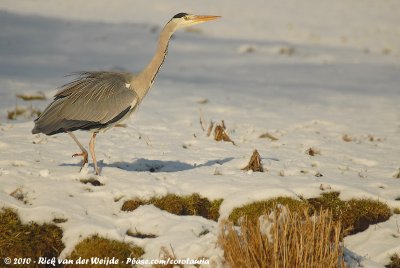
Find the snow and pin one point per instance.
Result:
(307, 74)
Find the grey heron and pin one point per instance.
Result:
(97, 101)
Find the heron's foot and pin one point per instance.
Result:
(84, 154)
(96, 168)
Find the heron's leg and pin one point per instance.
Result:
(84, 153)
(91, 148)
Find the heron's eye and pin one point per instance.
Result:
(186, 17)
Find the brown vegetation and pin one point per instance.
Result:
(268, 135)
(355, 214)
(28, 112)
(254, 163)
(313, 151)
(30, 240)
(394, 261)
(102, 248)
(289, 239)
(28, 97)
(220, 133)
(138, 234)
(180, 205)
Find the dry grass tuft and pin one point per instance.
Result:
(254, 210)
(100, 247)
(27, 97)
(254, 163)
(131, 205)
(285, 239)
(180, 205)
(289, 51)
(31, 240)
(268, 135)
(221, 135)
(347, 138)
(138, 234)
(394, 261)
(355, 215)
(92, 181)
(210, 128)
(219, 129)
(28, 112)
(397, 174)
(13, 114)
(19, 195)
(165, 254)
(313, 151)
(59, 220)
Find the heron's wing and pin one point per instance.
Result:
(97, 97)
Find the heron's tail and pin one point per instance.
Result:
(48, 122)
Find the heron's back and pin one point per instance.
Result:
(94, 101)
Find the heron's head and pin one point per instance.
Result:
(185, 19)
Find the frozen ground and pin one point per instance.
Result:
(306, 74)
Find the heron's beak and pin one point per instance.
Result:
(202, 18)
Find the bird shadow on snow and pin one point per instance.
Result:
(146, 165)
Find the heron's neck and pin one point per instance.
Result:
(147, 76)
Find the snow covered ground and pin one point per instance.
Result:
(308, 74)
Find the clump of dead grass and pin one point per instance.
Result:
(220, 133)
(140, 235)
(59, 220)
(347, 138)
(290, 239)
(180, 205)
(268, 135)
(394, 261)
(288, 51)
(254, 163)
(313, 151)
(254, 210)
(31, 97)
(166, 255)
(92, 181)
(100, 247)
(20, 195)
(397, 174)
(27, 112)
(355, 214)
(31, 240)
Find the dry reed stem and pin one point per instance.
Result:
(210, 128)
(289, 240)
(223, 124)
(202, 120)
(254, 163)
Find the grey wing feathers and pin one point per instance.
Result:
(93, 100)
